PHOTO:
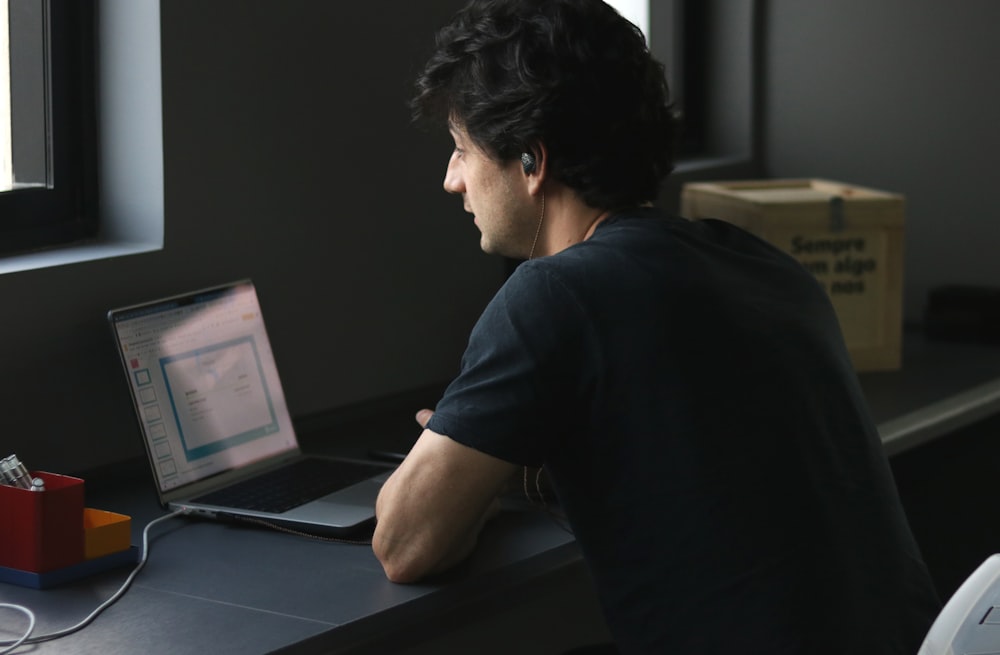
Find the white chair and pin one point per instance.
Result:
(970, 620)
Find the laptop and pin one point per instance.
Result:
(215, 424)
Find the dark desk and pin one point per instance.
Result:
(224, 589)
(218, 588)
(942, 387)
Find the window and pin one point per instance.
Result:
(636, 11)
(675, 31)
(6, 166)
(709, 49)
(47, 134)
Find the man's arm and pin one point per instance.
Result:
(431, 509)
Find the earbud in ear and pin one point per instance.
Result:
(528, 162)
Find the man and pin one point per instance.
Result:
(684, 384)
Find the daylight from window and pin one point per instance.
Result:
(6, 167)
(636, 11)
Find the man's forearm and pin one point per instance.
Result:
(432, 508)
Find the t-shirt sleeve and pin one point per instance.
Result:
(521, 367)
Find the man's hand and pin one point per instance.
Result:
(430, 511)
(423, 416)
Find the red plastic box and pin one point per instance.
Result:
(42, 530)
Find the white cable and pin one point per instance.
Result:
(27, 633)
(28, 639)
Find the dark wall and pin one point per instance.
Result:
(289, 158)
(898, 95)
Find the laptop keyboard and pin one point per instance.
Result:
(290, 486)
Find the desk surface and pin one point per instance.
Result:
(941, 387)
(226, 589)
(219, 588)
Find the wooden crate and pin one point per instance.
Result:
(849, 237)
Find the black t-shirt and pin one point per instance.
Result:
(687, 387)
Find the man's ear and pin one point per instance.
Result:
(528, 163)
(534, 162)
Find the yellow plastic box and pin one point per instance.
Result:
(105, 533)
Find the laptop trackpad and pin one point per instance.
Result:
(362, 495)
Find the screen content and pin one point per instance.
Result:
(205, 384)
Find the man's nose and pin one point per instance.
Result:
(452, 178)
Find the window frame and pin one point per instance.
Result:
(63, 207)
(726, 65)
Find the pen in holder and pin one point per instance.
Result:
(41, 529)
(13, 472)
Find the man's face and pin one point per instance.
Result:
(496, 195)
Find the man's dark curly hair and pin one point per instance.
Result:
(572, 74)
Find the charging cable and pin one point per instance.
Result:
(31, 625)
(9, 646)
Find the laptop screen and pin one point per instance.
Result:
(204, 383)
